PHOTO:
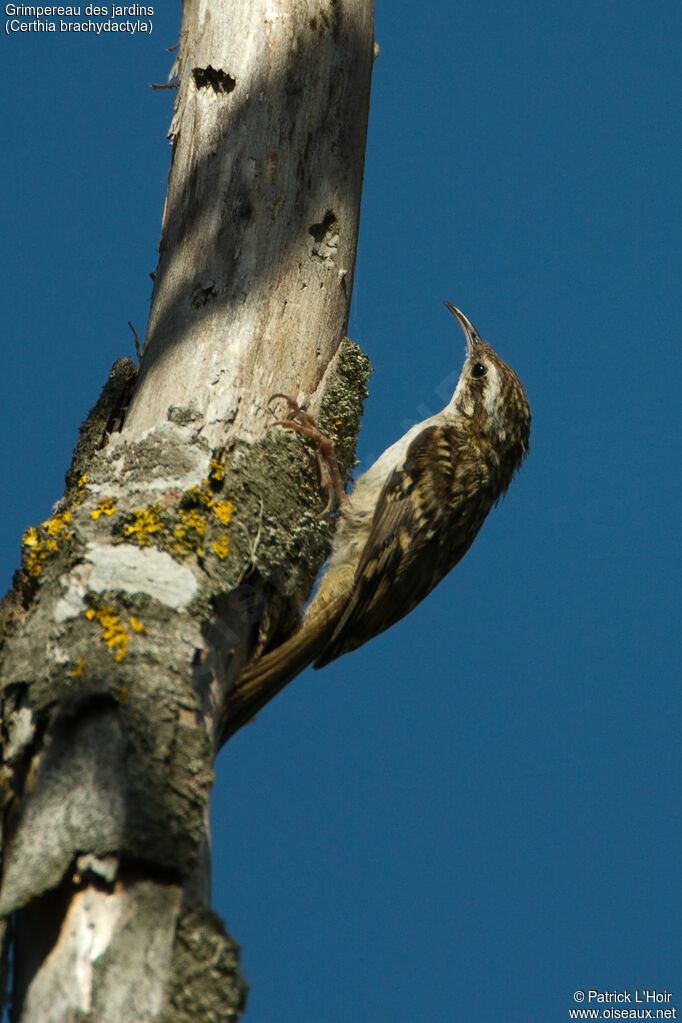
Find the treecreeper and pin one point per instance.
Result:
(406, 523)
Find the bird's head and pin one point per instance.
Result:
(490, 393)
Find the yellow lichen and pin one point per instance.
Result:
(216, 471)
(223, 511)
(147, 521)
(199, 495)
(191, 520)
(107, 506)
(43, 540)
(181, 531)
(221, 547)
(35, 562)
(189, 532)
(78, 666)
(57, 525)
(114, 633)
(82, 481)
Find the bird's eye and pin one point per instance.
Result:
(478, 370)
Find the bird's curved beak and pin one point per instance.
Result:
(470, 333)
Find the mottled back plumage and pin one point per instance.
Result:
(433, 504)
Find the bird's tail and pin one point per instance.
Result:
(263, 679)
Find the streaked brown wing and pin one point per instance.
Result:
(403, 558)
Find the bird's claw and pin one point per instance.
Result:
(330, 475)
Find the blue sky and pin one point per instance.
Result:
(476, 814)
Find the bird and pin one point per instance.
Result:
(409, 519)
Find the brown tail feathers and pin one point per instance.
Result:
(264, 678)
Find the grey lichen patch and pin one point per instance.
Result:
(170, 453)
(274, 485)
(343, 403)
(206, 983)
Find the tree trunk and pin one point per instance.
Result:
(190, 533)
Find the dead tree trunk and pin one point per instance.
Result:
(190, 533)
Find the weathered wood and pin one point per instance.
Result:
(258, 249)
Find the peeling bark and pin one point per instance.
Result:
(190, 532)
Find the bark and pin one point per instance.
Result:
(190, 531)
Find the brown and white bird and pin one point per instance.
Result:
(410, 518)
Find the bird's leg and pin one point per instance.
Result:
(330, 475)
